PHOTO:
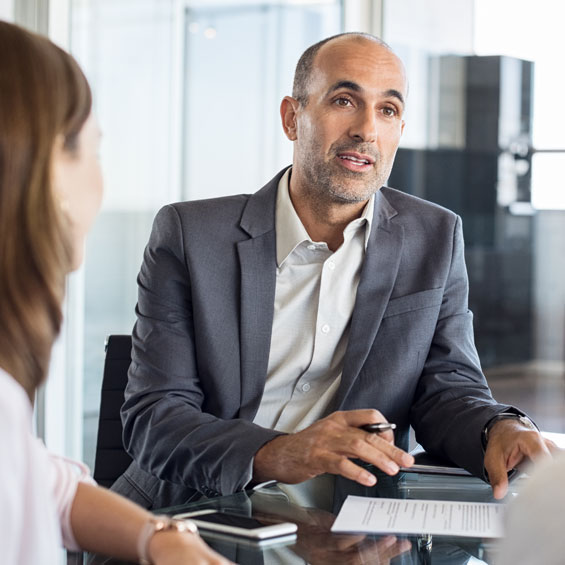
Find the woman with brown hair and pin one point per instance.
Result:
(50, 191)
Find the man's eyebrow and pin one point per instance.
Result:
(396, 94)
(350, 85)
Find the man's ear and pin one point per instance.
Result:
(289, 109)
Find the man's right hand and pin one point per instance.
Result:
(327, 446)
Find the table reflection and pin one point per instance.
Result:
(315, 544)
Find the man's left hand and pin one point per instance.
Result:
(510, 443)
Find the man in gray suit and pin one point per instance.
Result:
(272, 326)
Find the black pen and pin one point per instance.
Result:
(379, 428)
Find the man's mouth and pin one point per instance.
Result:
(356, 159)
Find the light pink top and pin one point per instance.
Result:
(36, 488)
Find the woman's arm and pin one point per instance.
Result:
(106, 523)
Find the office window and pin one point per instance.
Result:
(239, 64)
(548, 184)
(534, 35)
(484, 138)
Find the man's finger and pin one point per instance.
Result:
(539, 448)
(358, 418)
(387, 435)
(498, 476)
(499, 484)
(552, 447)
(500, 488)
(379, 451)
(340, 465)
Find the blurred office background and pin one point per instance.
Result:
(187, 93)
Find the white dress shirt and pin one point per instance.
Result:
(36, 488)
(314, 299)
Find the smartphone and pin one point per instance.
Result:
(237, 525)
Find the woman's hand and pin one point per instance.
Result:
(108, 524)
(182, 548)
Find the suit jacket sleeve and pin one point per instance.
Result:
(167, 428)
(453, 402)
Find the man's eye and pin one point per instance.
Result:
(344, 102)
(389, 112)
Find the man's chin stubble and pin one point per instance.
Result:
(344, 197)
(341, 193)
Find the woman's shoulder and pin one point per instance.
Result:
(15, 421)
(14, 402)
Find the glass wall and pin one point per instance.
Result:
(536, 35)
(240, 62)
(187, 94)
(483, 138)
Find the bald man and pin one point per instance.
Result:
(272, 327)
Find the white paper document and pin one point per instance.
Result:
(438, 517)
(556, 438)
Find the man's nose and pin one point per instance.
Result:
(364, 126)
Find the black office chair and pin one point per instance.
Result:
(111, 459)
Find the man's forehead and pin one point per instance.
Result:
(358, 60)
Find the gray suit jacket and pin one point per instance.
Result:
(201, 342)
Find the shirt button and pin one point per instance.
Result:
(305, 387)
(325, 329)
(311, 247)
(331, 265)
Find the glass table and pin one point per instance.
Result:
(315, 544)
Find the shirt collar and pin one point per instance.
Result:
(290, 231)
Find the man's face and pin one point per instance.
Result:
(347, 134)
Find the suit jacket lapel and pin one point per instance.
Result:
(257, 257)
(378, 276)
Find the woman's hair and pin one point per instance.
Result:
(44, 98)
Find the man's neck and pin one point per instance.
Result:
(324, 220)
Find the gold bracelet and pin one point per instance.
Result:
(158, 524)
